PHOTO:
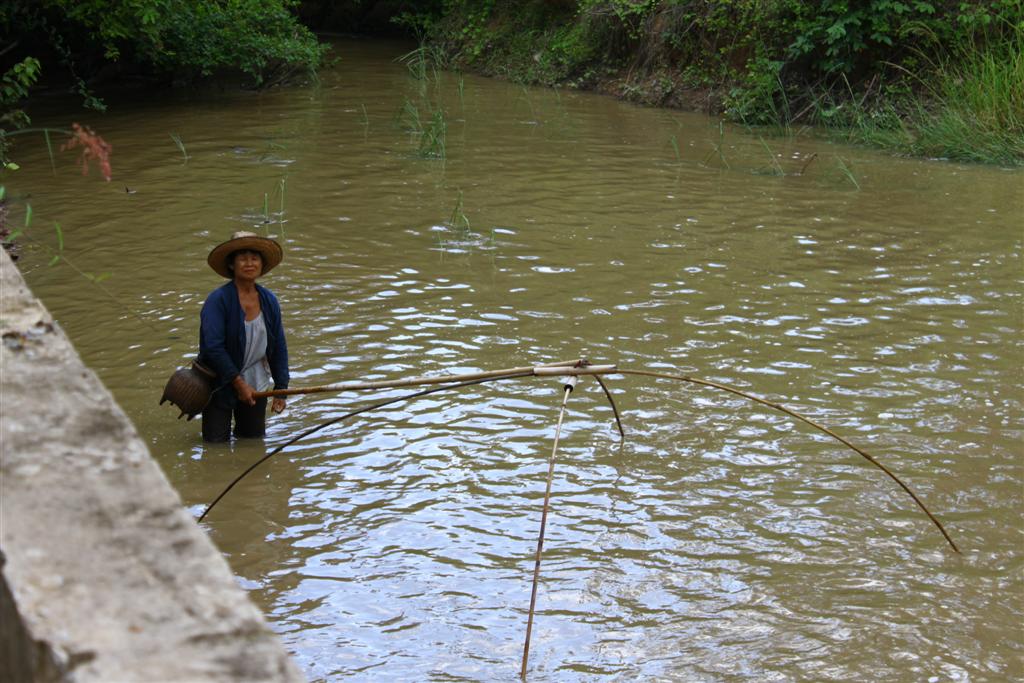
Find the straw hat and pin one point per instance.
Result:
(244, 240)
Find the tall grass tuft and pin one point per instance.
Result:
(15, 234)
(980, 116)
(433, 141)
(280, 190)
(775, 168)
(428, 127)
(430, 132)
(972, 108)
(60, 245)
(458, 219)
(846, 172)
(423, 64)
(718, 148)
(675, 148)
(49, 151)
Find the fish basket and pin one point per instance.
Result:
(189, 389)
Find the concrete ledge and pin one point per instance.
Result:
(103, 574)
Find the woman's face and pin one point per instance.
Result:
(248, 265)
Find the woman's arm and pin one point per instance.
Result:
(277, 356)
(212, 335)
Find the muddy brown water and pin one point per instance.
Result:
(720, 541)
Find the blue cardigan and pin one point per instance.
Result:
(222, 339)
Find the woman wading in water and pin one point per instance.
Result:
(241, 338)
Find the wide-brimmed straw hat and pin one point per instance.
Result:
(243, 240)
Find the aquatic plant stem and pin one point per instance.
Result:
(543, 523)
(777, 406)
(49, 150)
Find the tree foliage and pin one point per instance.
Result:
(180, 39)
(759, 53)
(170, 40)
(197, 37)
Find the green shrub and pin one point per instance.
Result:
(938, 77)
(181, 38)
(14, 89)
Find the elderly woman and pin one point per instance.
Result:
(241, 338)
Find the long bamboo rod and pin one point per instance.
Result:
(543, 523)
(417, 381)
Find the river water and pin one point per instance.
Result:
(720, 540)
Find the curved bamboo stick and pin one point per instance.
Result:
(777, 406)
(575, 368)
(615, 410)
(364, 409)
(570, 368)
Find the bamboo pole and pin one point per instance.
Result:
(570, 383)
(556, 369)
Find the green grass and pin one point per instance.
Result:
(280, 190)
(675, 148)
(970, 108)
(980, 112)
(717, 148)
(936, 79)
(423, 65)
(775, 168)
(181, 147)
(60, 244)
(458, 219)
(429, 129)
(49, 151)
(845, 172)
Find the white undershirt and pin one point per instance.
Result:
(255, 369)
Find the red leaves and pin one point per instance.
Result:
(94, 148)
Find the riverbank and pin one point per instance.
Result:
(931, 81)
(931, 78)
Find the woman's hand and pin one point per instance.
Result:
(277, 405)
(244, 391)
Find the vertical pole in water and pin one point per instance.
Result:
(569, 383)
